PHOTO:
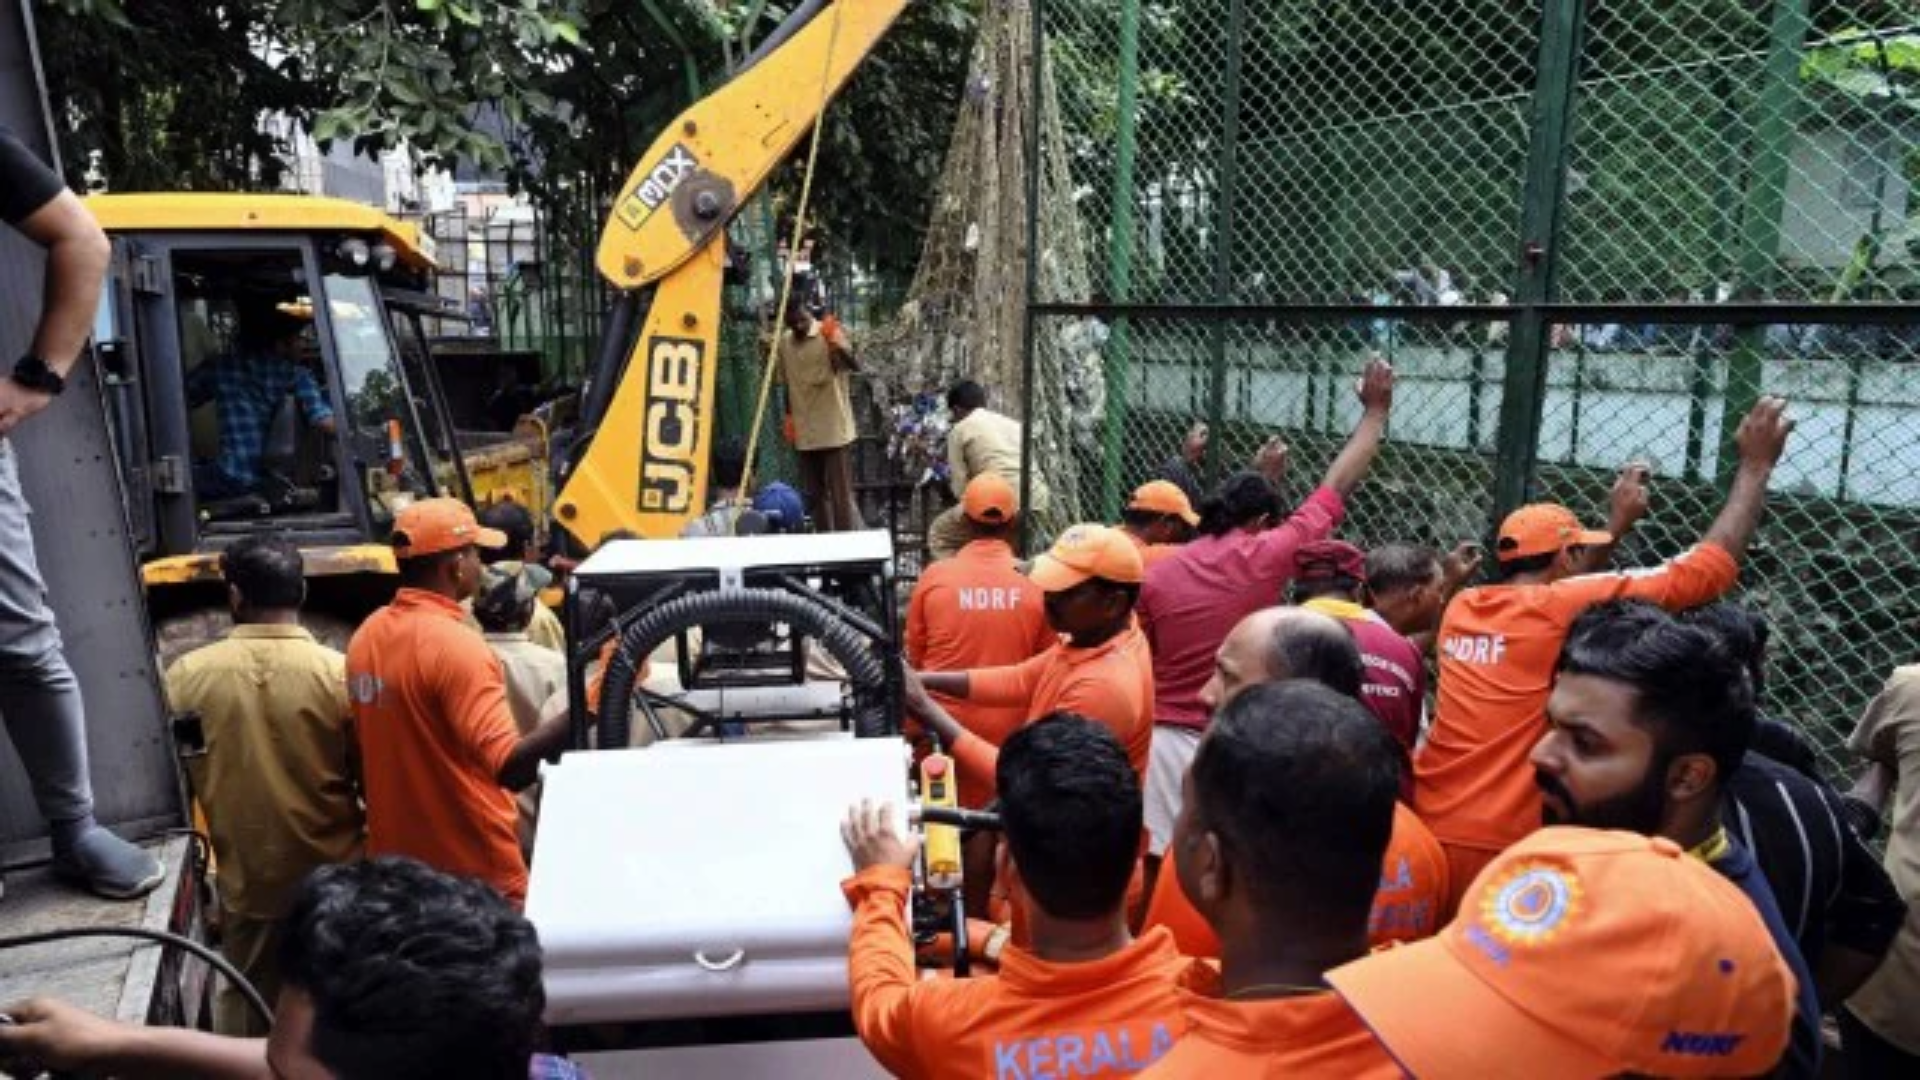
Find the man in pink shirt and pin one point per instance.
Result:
(1330, 576)
(1239, 563)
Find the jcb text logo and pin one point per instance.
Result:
(657, 186)
(670, 442)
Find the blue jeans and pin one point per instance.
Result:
(210, 482)
(39, 697)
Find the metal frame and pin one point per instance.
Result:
(1536, 307)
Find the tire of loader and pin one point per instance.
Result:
(179, 635)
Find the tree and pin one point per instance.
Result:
(172, 92)
(548, 94)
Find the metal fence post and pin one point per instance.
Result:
(1223, 236)
(1036, 60)
(1119, 256)
(1523, 398)
(1760, 219)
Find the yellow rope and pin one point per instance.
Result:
(793, 252)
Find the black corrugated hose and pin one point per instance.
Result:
(865, 666)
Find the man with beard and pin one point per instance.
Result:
(1648, 719)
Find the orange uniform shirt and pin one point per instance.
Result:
(1110, 684)
(429, 704)
(1312, 1035)
(976, 610)
(1107, 1017)
(1408, 907)
(1497, 648)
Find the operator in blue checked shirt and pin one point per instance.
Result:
(247, 388)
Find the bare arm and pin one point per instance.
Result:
(77, 253)
(543, 743)
(1628, 505)
(55, 1035)
(1271, 460)
(1376, 394)
(1761, 440)
(921, 706)
(76, 262)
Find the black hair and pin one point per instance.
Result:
(993, 530)
(413, 972)
(1243, 498)
(1690, 690)
(729, 462)
(1070, 806)
(1143, 519)
(1342, 585)
(1318, 648)
(1129, 590)
(502, 618)
(267, 570)
(1528, 564)
(1743, 631)
(1393, 568)
(1298, 781)
(265, 324)
(418, 571)
(967, 394)
(514, 520)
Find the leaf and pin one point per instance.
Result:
(404, 92)
(566, 32)
(427, 5)
(463, 13)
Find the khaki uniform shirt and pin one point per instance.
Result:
(277, 781)
(535, 675)
(819, 395)
(988, 442)
(1889, 733)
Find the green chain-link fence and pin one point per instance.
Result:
(1583, 232)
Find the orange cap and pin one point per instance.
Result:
(431, 526)
(1581, 953)
(1088, 551)
(990, 500)
(1542, 529)
(1163, 497)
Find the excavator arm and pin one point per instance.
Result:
(649, 408)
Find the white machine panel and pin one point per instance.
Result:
(718, 553)
(696, 878)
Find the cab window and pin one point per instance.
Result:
(380, 428)
(261, 418)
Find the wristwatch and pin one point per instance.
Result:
(34, 374)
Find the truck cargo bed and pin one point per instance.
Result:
(130, 980)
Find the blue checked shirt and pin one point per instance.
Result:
(246, 392)
(553, 1068)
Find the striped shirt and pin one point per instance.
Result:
(1827, 882)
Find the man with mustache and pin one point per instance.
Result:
(1648, 719)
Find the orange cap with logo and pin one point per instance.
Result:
(1583, 953)
(431, 526)
(1543, 529)
(1163, 497)
(1088, 551)
(990, 500)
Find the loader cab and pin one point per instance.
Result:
(256, 381)
(264, 386)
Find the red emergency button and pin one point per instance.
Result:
(936, 767)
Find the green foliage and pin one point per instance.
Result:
(172, 92)
(168, 91)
